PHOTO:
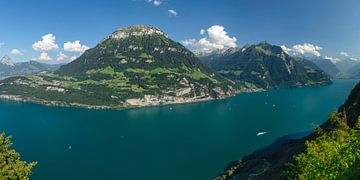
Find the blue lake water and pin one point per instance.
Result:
(188, 141)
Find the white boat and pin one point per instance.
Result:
(261, 133)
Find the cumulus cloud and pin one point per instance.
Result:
(61, 56)
(47, 43)
(75, 47)
(73, 58)
(155, 2)
(307, 48)
(16, 52)
(202, 31)
(44, 56)
(303, 49)
(172, 12)
(286, 49)
(354, 59)
(188, 42)
(332, 59)
(216, 38)
(343, 53)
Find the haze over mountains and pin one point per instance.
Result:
(9, 68)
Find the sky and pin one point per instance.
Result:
(58, 31)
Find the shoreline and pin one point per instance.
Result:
(18, 98)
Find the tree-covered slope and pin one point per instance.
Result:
(264, 66)
(134, 66)
(332, 151)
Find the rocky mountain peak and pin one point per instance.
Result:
(6, 60)
(139, 30)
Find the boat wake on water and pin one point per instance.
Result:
(261, 133)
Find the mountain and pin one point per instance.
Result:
(6, 62)
(346, 64)
(353, 70)
(134, 66)
(264, 66)
(326, 65)
(332, 151)
(8, 68)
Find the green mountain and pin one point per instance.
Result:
(134, 66)
(264, 66)
(8, 68)
(332, 151)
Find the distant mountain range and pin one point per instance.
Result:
(326, 65)
(134, 66)
(265, 66)
(8, 68)
(345, 68)
(142, 66)
(349, 68)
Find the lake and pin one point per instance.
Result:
(188, 141)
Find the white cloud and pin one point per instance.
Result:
(16, 52)
(307, 48)
(172, 12)
(73, 58)
(46, 44)
(61, 56)
(217, 38)
(155, 2)
(208, 46)
(303, 49)
(202, 31)
(332, 59)
(188, 42)
(343, 53)
(44, 56)
(75, 47)
(2, 44)
(286, 49)
(354, 59)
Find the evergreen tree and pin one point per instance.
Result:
(11, 167)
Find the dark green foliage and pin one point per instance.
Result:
(265, 66)
(144, 62)
(11, 167)
(332, 151)
(333, 155)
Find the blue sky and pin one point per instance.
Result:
(332, 25)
